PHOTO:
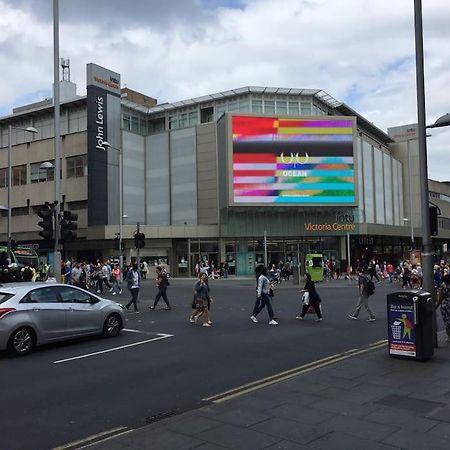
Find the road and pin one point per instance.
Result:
(50, 399)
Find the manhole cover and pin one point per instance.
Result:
(409, 403)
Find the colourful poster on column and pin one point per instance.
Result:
(402, 338)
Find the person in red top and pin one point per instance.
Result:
(390, 272)
(115, 276)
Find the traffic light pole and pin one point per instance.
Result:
(138, 249)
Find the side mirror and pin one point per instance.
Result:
(93, 300)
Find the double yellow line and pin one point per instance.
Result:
(301, 370)
(95, 439)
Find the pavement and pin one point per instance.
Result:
(358, 399)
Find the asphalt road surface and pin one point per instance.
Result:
(163, 364)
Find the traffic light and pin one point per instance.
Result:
(46, 214)
(139, 240)
(433, 221)
(68, 226)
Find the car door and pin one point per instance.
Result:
(83, 311)
(47, 312)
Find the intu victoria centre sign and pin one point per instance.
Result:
(343, 222)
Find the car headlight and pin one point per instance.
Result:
(120, 304)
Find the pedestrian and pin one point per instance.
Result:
(162, 283)
(390, 272)
(134, 283)
(444, 302)
(310, 298)
(406, 276)
(115, 277)
(202, 301)
(76, 274)
(263, 298)
(365, 289)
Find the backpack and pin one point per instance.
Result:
(370, 287)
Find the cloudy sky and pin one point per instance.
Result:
(360, 52)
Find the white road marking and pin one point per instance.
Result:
(88, 355)
(133, 331)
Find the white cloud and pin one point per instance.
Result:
(359, 52)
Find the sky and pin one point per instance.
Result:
(360, 52)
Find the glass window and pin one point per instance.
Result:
(281, 107)
(220, 109)
(183, 120)
(388, 189)
(269, 106)
(293, 109)
(207, 114)
(39, 175)
(244, 105)
(42, 295)
(20, 211)
(126, 122)
(3, 177)
(135, 125)
(233, 106)
(379, 186)
(143, 126)
(72, 295)
(76, 166)
(173, 122)
(369, 203)
(257, 106)
(193, 118)
(19, 175)
(306, 108)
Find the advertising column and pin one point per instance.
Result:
(103, 124)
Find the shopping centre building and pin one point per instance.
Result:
(207, 178)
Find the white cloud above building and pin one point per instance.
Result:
(359, 52)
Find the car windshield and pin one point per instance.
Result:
(4, 296)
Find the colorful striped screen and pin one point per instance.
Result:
(293, 161)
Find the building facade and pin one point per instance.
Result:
(189, 166)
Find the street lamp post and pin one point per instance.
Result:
(10, 128)
(106, 144)
(427, 254)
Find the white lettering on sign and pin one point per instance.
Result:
(100, 123)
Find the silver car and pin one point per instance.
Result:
(39, 313)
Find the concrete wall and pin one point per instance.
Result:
(207, 183)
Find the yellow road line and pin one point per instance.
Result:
(282, 376)
(95, 438)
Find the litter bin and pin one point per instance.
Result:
(410, 324)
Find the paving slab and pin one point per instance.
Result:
(191, 424)
(233, 437)
(308, 415)
(359, 427)
(337, 440)
(290, 429)
(407, 439)
(159, 438)
(408, 421)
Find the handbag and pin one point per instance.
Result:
(305, 298)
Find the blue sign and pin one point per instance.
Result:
(402, 338)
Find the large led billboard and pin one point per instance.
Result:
(293, 161)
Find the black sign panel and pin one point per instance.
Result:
(97, 156)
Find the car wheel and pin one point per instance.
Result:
(22, 341)
(112, 326)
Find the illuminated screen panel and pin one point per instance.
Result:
(293, 161)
